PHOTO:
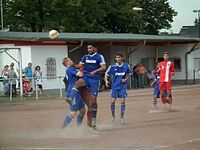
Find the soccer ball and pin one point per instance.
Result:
(53, 34)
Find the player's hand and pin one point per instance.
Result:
(173, 73)
(124, 80)
(92, 73)
(107, 84)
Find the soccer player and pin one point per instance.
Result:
(119, 74)
(77, 105)
(166, 70)
(93, 64)
(156, 91)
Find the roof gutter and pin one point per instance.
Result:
(194, 48)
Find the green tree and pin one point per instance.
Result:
(118, 16)
(114, 16)
(27, 15)
(156, 15)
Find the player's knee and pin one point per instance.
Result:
(113, 101)
(123, 101)
(94, 106)
(73, 113)
(79, 83)
(82, 111)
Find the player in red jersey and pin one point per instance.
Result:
(166, 70)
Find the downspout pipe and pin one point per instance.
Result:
(194, 48)
(75, 48)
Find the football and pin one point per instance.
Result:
(53, 34)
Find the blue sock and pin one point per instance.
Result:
(67, 120)
(74, 91)
(112, 107)
(94, 112)
(79, 119)
(122, 109)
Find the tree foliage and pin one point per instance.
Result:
(113, 16)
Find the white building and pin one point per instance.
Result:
(147, 49)
(47, 55)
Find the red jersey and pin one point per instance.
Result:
(166, 68)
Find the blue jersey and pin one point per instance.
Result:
(157, 79)
(91, 63)
(28, 72)
(117, 73)
(71, 75)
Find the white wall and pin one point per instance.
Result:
(137, 53)
(26, 56)
(39, 56)
(191, 57)
(6, 59)
(117, 49)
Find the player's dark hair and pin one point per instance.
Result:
(166, 53)
(118, 54)
(37, 67)
(92, 44)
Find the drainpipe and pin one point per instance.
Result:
(75, 48)
(129, 54)
(194, 48)
(138, 47)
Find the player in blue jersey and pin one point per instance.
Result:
(156, 91)
(94, 64)
(77, 106)
(119, 74)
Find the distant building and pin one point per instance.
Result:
(189, 31)
(136, 48)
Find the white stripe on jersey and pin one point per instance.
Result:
(102, 59)
(130, 70)
(108, 70)
(167, 71)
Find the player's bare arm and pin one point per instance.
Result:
(106, 80)
(126, 78)
(80, 74)
(78, 66)
(101, 69)
(154, 81)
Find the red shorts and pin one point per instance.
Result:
(165, 86)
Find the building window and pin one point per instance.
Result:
(197, 64)
(51, 67)
(177, 63)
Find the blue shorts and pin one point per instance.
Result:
(93, 84)
(77, 103)
(118, 93)
(156, 91)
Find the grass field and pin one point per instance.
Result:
(36, 124)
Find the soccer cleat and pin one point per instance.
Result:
(69, 100)
(113, 120)
(122, 121)
(95, 129)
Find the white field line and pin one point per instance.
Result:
(179, 143)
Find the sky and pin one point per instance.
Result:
(185, 16)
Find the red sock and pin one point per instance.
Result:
(163, 99)
(89, 118)
(170, 99)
